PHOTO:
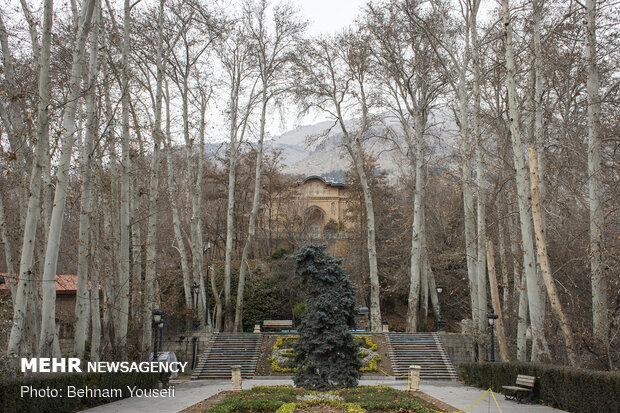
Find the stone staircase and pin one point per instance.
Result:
(422, 349)
(228, 349)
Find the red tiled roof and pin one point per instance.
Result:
(65, 283)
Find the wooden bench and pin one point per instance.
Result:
(278, 324)
(523, 386)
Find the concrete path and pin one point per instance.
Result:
(189, 393)
(461, 397)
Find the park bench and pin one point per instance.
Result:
(278, 324)
(523, 386)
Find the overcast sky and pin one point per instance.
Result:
(329, 16)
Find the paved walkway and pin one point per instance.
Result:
(189, 393)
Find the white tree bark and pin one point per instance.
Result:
(150, 279)
(520, 287)
(238, 323)
(600, 317)
(95, 311)
(176, 221)
(48, 339)
(480, 184)
(468, 196)
(26, 288)
(416, 231)
(121, 312)
(535, 295)
(543, 259)
(8, 255)
(506, 290)
(82, 302)
(501, 335)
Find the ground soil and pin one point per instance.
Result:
(263, 366)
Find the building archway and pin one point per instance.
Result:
(315, 219)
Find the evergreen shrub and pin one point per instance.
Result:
(327, 356)
(570, 389)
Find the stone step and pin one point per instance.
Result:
(422, 349)
(228, 349)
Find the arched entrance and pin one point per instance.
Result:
(315, 221)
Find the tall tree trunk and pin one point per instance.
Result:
(150, 280)
(121, 314)
(501, 335)
(95, 311)
(357, 155)
(506, 290)
(520, 287)
(543, 259)
(536, 300)
(8, 254)
(48, 340)
(480, 184)
(600, 317)
(416, 233)
(238, 324)
(82, 302)
(26, 287)
(136, 252)
(176, 221)
(468, 196)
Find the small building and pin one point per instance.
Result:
(324, 203)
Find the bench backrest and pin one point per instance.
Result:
(526, 381)
(277, 323)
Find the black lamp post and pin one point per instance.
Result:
(195, 291)
(158, 324)
(441, 325)
(207, 318)
(492, 317)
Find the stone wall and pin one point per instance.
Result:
(458, 346)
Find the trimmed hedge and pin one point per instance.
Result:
(573, 390)
(12, 401)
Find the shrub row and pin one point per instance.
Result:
(11, 399)
(573, 390)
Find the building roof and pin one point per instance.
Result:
(65, 283)
(328, 182)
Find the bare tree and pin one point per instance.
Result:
(536, 301)
(600, 316)
(332, 76)
(236, 58)
(412, 83)
(26, 289)
(272, 50)
(82, 301)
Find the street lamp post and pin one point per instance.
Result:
(195, 291)
(157, 326)
(492, 317)
(441, 325)
(207, 318)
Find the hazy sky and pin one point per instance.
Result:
(329, 16)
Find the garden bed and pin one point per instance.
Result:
(287, 399)
(265, 365)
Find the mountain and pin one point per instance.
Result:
(317, 149)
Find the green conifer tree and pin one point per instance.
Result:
(327, 356)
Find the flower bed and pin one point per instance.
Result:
(283, 357)
(287, 399)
